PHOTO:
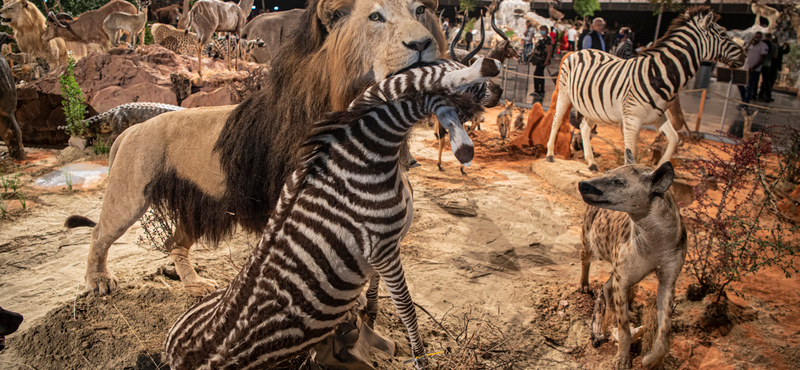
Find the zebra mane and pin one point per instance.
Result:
(682, 20)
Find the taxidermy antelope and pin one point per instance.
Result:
(88, 28)
(519, 123)
(748, 124)
(633, 222)
(134, 24)
(209, 16)
(504, 118)
(554, 14)
(761, 10)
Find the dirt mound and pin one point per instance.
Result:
(124, 330)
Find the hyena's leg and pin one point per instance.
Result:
(586, 263)
(666, 293)
(619, 290)
(601, 305)
(672, 139)
(178, 247)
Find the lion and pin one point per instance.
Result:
(29, 25)
(211, 169)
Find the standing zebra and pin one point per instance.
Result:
(339, 222)
(637, 91)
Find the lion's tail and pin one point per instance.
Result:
(78, 221)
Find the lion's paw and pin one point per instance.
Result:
(102, 283)
(200, 287)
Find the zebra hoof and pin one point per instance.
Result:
(440, 168)
(593, 168)
(549, 158)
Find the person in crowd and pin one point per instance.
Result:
(756, 52)
(541, 55)
(528, 40)
(777, 64)
(572, 35)
(594, 39)
(625, 46)
(446, 28)
(554, 36)
(765, 93)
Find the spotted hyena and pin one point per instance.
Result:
(634, 222)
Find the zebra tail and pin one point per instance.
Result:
(78, 221)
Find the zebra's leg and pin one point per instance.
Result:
(672, 139)
(372, 299)
(391, 272)
(630, 133)
(586, 136)
(562, 108)
(178, 247)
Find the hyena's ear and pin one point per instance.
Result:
(629, 157)
(663, 177)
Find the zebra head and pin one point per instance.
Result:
(719, 46)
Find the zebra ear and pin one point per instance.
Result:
(705, 20)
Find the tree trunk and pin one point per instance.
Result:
(9, 130)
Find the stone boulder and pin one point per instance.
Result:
(40, 116)
(222, 96)
(113, 96)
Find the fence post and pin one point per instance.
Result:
(700, 113)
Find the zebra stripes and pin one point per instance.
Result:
(339, 222)
(638, 91)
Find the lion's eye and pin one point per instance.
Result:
(376, 17)
(420, 10)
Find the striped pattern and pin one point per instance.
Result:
(638, 91)
(219, 47)
(339, 222)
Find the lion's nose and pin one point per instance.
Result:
(419, 46)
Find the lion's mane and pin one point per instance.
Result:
(313, 72)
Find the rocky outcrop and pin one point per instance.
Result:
(113, 96)
(149, 74)
(537, 132)
(221, 96)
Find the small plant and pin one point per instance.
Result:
(3, 209)
(4, 182)
(74, 106)
(731, 233)
(21, 197)
(68, 178)
(100, 147)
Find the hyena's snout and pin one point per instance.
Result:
(587, 188)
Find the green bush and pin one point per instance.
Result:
(74, 106)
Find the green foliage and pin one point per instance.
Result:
(660, 6)
(68, 179)
(470, 25)
(21, 197)
(468, 5)
(586, 8)
(148, 36)
(510, 33)
(100, 146)
(74, 106)
(76, 7)
(731, 232)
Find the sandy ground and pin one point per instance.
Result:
(504, 281)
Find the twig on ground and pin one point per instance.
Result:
(17, 363)
(449, 334)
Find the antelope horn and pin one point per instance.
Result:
(52, 16)
(458, 37)
(58, 3)
(475, 51)
(498, 30)
(46, 10)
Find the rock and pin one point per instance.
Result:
(78, 142)
(40, 114)
(537, 132)
(465, 208)
(113, 96)
(563, 174)
(221, 96)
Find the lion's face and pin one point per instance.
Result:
(12, 10)
(381, 36)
